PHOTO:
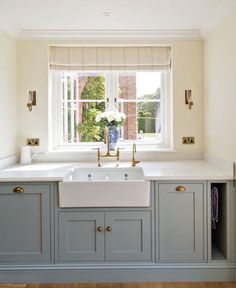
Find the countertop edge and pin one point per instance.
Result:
(153, 171)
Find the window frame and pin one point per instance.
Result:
(56, 117)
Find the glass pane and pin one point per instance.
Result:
(130, 129)
(89, 130)
(92, 86)
(148, 85)
(149, 121)
(83, 98)
(127, 85)
(142, 121)
(69, 88)
(139, 85)
(140, 99)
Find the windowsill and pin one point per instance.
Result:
(89, 154)
(92, 150)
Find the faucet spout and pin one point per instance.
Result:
(134, 161)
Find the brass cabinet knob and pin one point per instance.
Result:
(100, 229)
(109, 229)
(18, 190)
(180, 188)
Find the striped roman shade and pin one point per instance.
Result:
(110, 58)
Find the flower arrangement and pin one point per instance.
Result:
(111, 118)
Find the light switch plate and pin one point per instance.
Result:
(32, 141)
(188, 140)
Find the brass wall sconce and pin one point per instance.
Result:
(31, 100)
(188, 99)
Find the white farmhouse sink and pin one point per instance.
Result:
(105, 187)
(106, 174)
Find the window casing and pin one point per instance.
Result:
(67, 106)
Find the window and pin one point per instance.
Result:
(78, 96)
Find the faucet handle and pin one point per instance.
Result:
(99, 157)
(117, 157)
(134, 162)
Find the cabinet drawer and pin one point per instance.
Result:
(180, 187)
(26, 188)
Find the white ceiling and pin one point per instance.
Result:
(68, 16)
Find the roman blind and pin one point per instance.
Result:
(110, 58)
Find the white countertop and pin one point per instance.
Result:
(172, 170)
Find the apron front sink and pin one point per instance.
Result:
(105, 187)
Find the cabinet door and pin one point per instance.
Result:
(127, 236)
(181, 222)
(25, 223)
(80, 238)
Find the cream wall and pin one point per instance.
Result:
(32, 74)
(8, 96)
(220, 92)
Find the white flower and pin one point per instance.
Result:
(110, 117)
(104, 114)
(117, 118)
(98, 118)
(122, 115)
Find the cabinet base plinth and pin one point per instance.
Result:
(109, 274)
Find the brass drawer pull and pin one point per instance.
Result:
(109, 229)
(180, 188)
(18, 190)
(100, 229)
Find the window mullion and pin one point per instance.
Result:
(111, 89)
(65, 120)
(77, 105)
(164, 110)
(59, 111)
(55, 118)
(72, 129)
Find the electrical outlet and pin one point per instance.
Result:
(188, 140)
(32, 141)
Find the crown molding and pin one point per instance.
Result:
(8, 27)
(114, 34)
(218, 15)
(223, 10)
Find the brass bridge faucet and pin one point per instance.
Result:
(134, 161)
(108, 153)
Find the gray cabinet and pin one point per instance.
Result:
(25, 223)
(180, 209)
(109, 236)
(130, 237)
(81, 236)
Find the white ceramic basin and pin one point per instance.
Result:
(106, 174)
(105, 187)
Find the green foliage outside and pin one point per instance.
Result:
(89, 129)
(147, 112)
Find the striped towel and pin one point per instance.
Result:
(214, 207)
